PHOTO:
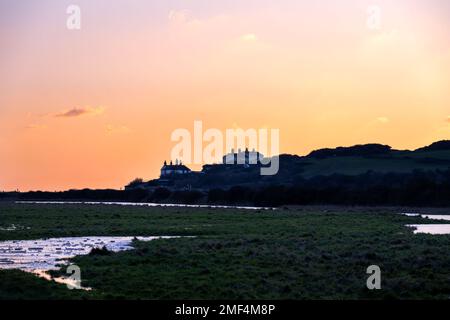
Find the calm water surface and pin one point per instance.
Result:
(146, 204)
(43, 255)
(430, 228)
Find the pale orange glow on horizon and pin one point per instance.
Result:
(96, 107)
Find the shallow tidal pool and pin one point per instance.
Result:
(43, 255)
(430, 228)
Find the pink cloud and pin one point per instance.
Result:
(76, 112)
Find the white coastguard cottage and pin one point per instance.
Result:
(171, 169)
(245, 158)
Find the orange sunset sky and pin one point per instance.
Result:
(95, 107)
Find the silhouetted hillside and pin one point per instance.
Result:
(365, 150)
(436, 146)
(371, 174)
(345, 161)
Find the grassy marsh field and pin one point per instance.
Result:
(289, 253)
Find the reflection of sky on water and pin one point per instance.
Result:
(147, 204)
(40, 256)
(30, 255)
(430, 228)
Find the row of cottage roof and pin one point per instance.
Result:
(248, 157)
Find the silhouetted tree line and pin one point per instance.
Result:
(366, 150)
(418, 188)
(8, 195)
(136, 195)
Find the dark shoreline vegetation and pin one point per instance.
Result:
(289, 253)
(419, 189)
(368, 175)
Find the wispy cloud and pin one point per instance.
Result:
(183, 18)
(77, 112)
(448, 119)
(36, 126)
(179, 16)
(117, 129)
(383, 119)
(249, 37)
